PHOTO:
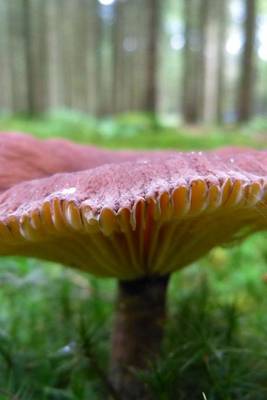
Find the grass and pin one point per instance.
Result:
(134, 131)
(55, 323)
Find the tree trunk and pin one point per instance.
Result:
(5, 59)
(93, 58)
(247, 64)
(105, 58)
(117, 57)
(18, 62)
(152, 53)
(193, 74)
(135, 47)
(137, 334)
(35, 52)
(28, 53)
(214, 60)
(222, 12)
(55, 84)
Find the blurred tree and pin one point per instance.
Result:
(222, 21)
(152, 53)
(67, 33)
(104, 26)
(33, 17)
(72, 44)
(117, 42)
(5, 60)
(135, 48)
(28, 45)
(245, 96)
(81, 40)
(215, 29)
(101, 57)
(92, 43)
(55, 84)
(195, 16)
(17, 56)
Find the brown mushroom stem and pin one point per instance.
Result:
(137, 333)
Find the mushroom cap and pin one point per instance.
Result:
(150, 216)
(24, 157)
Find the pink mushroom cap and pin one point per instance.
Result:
(146, 217)
(24, 157)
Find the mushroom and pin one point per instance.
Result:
(138, 221)
(24, 157)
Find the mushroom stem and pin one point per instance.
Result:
(137, 333)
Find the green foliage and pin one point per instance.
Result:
(52, 322)
(217, 328)
(55, 323)
(129, 131)
(256, 126)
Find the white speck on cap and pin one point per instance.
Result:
(69, 190)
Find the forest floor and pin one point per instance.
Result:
(215, 346)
